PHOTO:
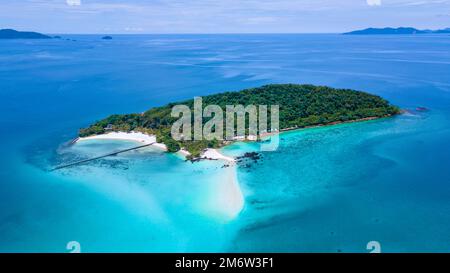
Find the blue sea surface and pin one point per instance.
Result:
(330, 189)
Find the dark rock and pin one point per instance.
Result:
(251, 155)
(422, 109)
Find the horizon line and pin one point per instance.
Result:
(195, 33)
(207, 33)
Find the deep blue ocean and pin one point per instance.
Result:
(330, 189)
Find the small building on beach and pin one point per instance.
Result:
(109, 127)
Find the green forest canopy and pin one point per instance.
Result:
(300, 106)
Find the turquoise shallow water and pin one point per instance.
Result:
(335, 189)
(324, 190)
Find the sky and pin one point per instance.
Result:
(219, 16)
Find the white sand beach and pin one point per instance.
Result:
(184, 153)
(148, 139)
(229, 197)
(132, 136)
(211, 154)
(215, 154)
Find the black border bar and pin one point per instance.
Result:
(251, 262)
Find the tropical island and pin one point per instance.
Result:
(394, 31)
(14, 34)
(300, 106)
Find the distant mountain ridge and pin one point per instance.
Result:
(14, 34)
(400, 30)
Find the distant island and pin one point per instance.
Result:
(301, 106)
(393, 31)
(14, 34)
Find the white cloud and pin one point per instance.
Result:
(215, 16)
(134, 29)
(73, 2)
(374, 2)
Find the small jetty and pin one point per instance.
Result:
(99, 157)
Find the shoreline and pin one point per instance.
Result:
(291, 129)
(208, 154)
(131, 136)
(215, 154)
(142, 138)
